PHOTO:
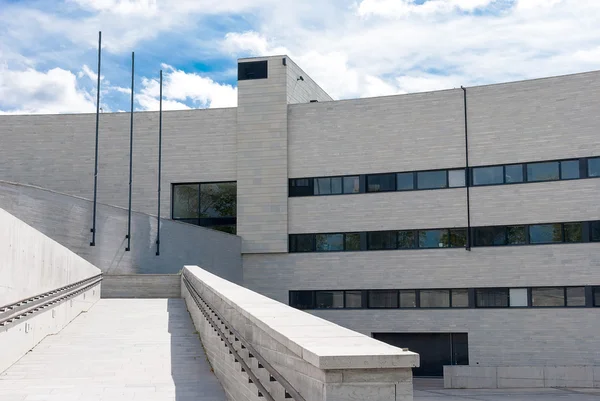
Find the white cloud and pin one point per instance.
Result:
(33, 92)
(401, 8)
(143, 7)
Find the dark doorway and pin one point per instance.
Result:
(435, 349)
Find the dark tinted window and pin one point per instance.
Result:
(381, 240)
(302, 299)
(351, 185)
(460, 298)
(513, 173)
(301, 187)
(406, 239)
(218, 200)
(328, 186)
(252, 70)
(186, 201)
(434, 298)
(595, 230)
(431, 179)
(301, 243)
(492, 298)
(381, 182)
(548, 296)
(329, 242)
(516, 235)
(573, 232)
(433, 238)
(569, 169)
(408, 299)
(596, 296)
(594, 167)
(383, 299)
(405, 181)
(575, 296)
(490, 236)
(329, 299)
(544, 171)
(458, 237)
(488, 175)
(352, 242)
(545, 233)
(354, 299)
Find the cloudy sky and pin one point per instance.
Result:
(353, 48)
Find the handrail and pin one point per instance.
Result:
(16, 310)
(290, 391)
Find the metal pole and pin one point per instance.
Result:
(159, 163)
(467, 171)
(130, 154)
(93, 230)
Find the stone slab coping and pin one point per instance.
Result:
(319, 342)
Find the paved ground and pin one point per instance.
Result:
(120, 350)
(433, 390)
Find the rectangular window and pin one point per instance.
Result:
(302, 243)
(186, 201)
(595, 231)
(490, 236)
(302, 299)
(354, 299)
(458, 237)
(351, 185)
(513, 173)
(406, 240)
(545, 233)
(252, 70)
(516, 235)
(518, 297)
(488, 175)
(329, 242)
(460, 298)
(383, 299)
(456, 178)
(434, 298)
(596, 293)
(433, 238)
(573, 232)
(408, 299)
(548, 296)
(545, 171)
(328, 186)
(329, 299)
(569, 169)
(405, 181)
(431, 179)
(301, 187)
(218, 200)
(352, 242)
(492, 298)
(381, 240)
(594, 167)
(575, 296)
(381, 182)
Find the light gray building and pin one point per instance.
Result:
(463, 224)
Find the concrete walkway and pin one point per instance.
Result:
(122, 349)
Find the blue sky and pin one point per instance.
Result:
(48, 48)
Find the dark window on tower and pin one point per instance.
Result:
(492, 298)
(252, 70)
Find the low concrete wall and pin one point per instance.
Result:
(319, 359)
(521, 376)
(68, 220)
(141, 286)
(31, 264)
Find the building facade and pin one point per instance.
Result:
(463, 224)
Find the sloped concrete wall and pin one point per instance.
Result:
(68, 220)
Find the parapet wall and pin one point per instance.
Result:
(141, 286)
(257, 345)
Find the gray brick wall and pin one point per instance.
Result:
(141, 286)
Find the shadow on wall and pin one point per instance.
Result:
(68, 220)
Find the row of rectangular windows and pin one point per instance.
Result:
(532, 297)
(532, 234)
(571, 169)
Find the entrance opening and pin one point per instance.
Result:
(435, 349)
